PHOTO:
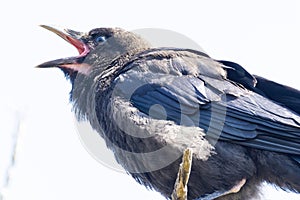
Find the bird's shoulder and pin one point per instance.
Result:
(175, 61)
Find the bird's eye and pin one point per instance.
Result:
(100, 39)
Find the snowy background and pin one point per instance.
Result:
(50, 160)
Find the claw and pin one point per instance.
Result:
(237, 188)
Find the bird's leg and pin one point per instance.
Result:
(180, 187)
(235, 189)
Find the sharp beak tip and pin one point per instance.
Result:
(46, 27)
(50, 64)
(43, 66)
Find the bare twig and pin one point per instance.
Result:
(15, 140)
(180, 187)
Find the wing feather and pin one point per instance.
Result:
(195, 91)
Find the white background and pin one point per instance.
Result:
(51, 163)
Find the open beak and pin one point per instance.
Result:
(74, 63)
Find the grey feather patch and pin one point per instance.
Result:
(137, 124)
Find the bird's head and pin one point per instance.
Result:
(97, 49)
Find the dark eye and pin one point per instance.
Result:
(100, 39)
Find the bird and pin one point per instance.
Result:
(149, 104)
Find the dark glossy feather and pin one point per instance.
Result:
(284, 95)
(203, 94)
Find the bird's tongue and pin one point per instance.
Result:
(74, 63)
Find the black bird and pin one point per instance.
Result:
(149, 104)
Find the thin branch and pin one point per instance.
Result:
(14, 145)
(180, 187)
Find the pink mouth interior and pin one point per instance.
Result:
(80, 46)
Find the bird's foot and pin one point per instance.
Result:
(180, 187)
(235, 189)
